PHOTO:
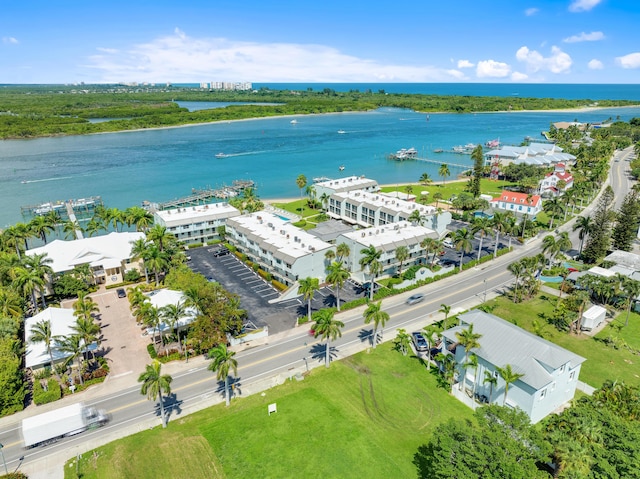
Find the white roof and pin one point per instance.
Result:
(164, 297)
(106, 251)
(388, 202)
(194, 214)
(601, 272)
(347, 183)
(389, 237)
(61, 320)
(279, 236)
(594, 312)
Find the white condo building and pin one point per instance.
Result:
(286, 251)
(341, 185)
(386, 239)
(366, 209)
(196, 224)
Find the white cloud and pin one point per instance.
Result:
(585, 37)
(465, 64)
(10, 40)
(531, 11)
(595, 64)
(181, 58)
(493, 69)
(632, 60)
(517, 76)
(558, 62)
(457, 74)
(583, 5)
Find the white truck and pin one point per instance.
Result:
(66, 421)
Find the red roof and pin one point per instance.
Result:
(561, 176)
(518, 198)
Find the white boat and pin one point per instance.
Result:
(341, 167)
(404, 154)
(221, 155)
(319, 179)
(465, 149)
(293, 122)
(341, 132)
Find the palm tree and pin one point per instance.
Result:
(324, 199)
(437, 196)
(140, 250)
(41, 333)
(223, 363)
(549, 246)
(472, 363)
(171, 314)
(94, 226)
(328, 329)
(632, 289)
(462, 242)
(73, 346)
(150, 317)
(508, 376)
(159, 235)
(415, 217)
(10, 304)
(342, 251)
(492, 380)
(156, 261)
(468, 340)
(371, 260)
(154, 384)
(85, 307)
(39, 264)
(402, 341)
(517, 268)
(40, 226)
(429, 332)
(138, 216)
(301, 181)
(554, 207)
(444, 172)
(429, 245)
(499, 224)
(445, 309)
(584, 225)
(482, 226)
(88, 331)
(374, 314)
(425, 179)
(28, 281)
(402, 253)
(308, 286)
(337, 276)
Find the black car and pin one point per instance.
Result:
(419, 342)
(220, 252)
(121, 293)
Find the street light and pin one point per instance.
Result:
(3, 461)
(485, 290)
(306, 363)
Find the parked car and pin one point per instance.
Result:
(419, 342)
(415, 298)
(121, 293)
(447, 242)
(220, 252)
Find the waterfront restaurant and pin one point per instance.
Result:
(285, 251)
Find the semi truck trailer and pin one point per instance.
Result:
(67, 421)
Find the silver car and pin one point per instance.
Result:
(415, 298)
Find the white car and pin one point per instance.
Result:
(447, 243)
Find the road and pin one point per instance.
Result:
(266, 365)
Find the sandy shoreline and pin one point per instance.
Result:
(585, 109)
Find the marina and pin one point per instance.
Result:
(68, 209)
(202, 196)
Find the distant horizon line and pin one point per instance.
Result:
(139, 83)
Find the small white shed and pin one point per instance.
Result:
(593, 317)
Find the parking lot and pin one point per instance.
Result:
(255, 293)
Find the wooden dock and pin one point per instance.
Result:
(206, 195)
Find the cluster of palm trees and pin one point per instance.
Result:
(23, 277)
(619, 289)
(157, 250)
(526, 272)
(76, 346)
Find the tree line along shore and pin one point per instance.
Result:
(55, 110)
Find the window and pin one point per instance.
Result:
(543, 394)
(561, 370)
(572, 375)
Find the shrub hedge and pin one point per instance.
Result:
(53, 392)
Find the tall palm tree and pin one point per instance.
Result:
(41, 333)
(28, 281)
(308, 286)
(159, 235)
(402, 341)
(223, 362)
(517, 268)
(156, 261)
(481, 226)
(337, 276)
(40, 226)
(554, 207)
(138, 216)
(70, 229)
(550, 247)
(430, 332)
(301, 181)
(371, 260)
(375, 314)
(632, 289)
(425, 179)
(468, 340)
(94, 226)
(328, 328)
(402, 253)
(150, 317)
(342, 251)
(429, 245)
(88, 331)
(584, 225)
(140, 250)
(10, 304)
(499, 224)
(85, 307)
(154, 384)
(462, 241)
(415, 217)
(171, 314)
(444, 172)
(40, 265)
(509, 377)
(445, 309)
(72, 345)
(493, 382)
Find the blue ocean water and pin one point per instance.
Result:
(158, 165)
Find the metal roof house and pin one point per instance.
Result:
(550, 373)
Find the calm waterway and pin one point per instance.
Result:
(157, 165)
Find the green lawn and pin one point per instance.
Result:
(364, 417)
(603, 361)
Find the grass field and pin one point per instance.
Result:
(603, 361)
(364, 417)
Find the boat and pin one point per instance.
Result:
(221, 155)
(293, 122)
(438, 150)
(404, 154)
(341, 167)
(320, 179)
(341, 132)
(493, 143)
(464, 149)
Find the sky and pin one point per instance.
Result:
(329, 41)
